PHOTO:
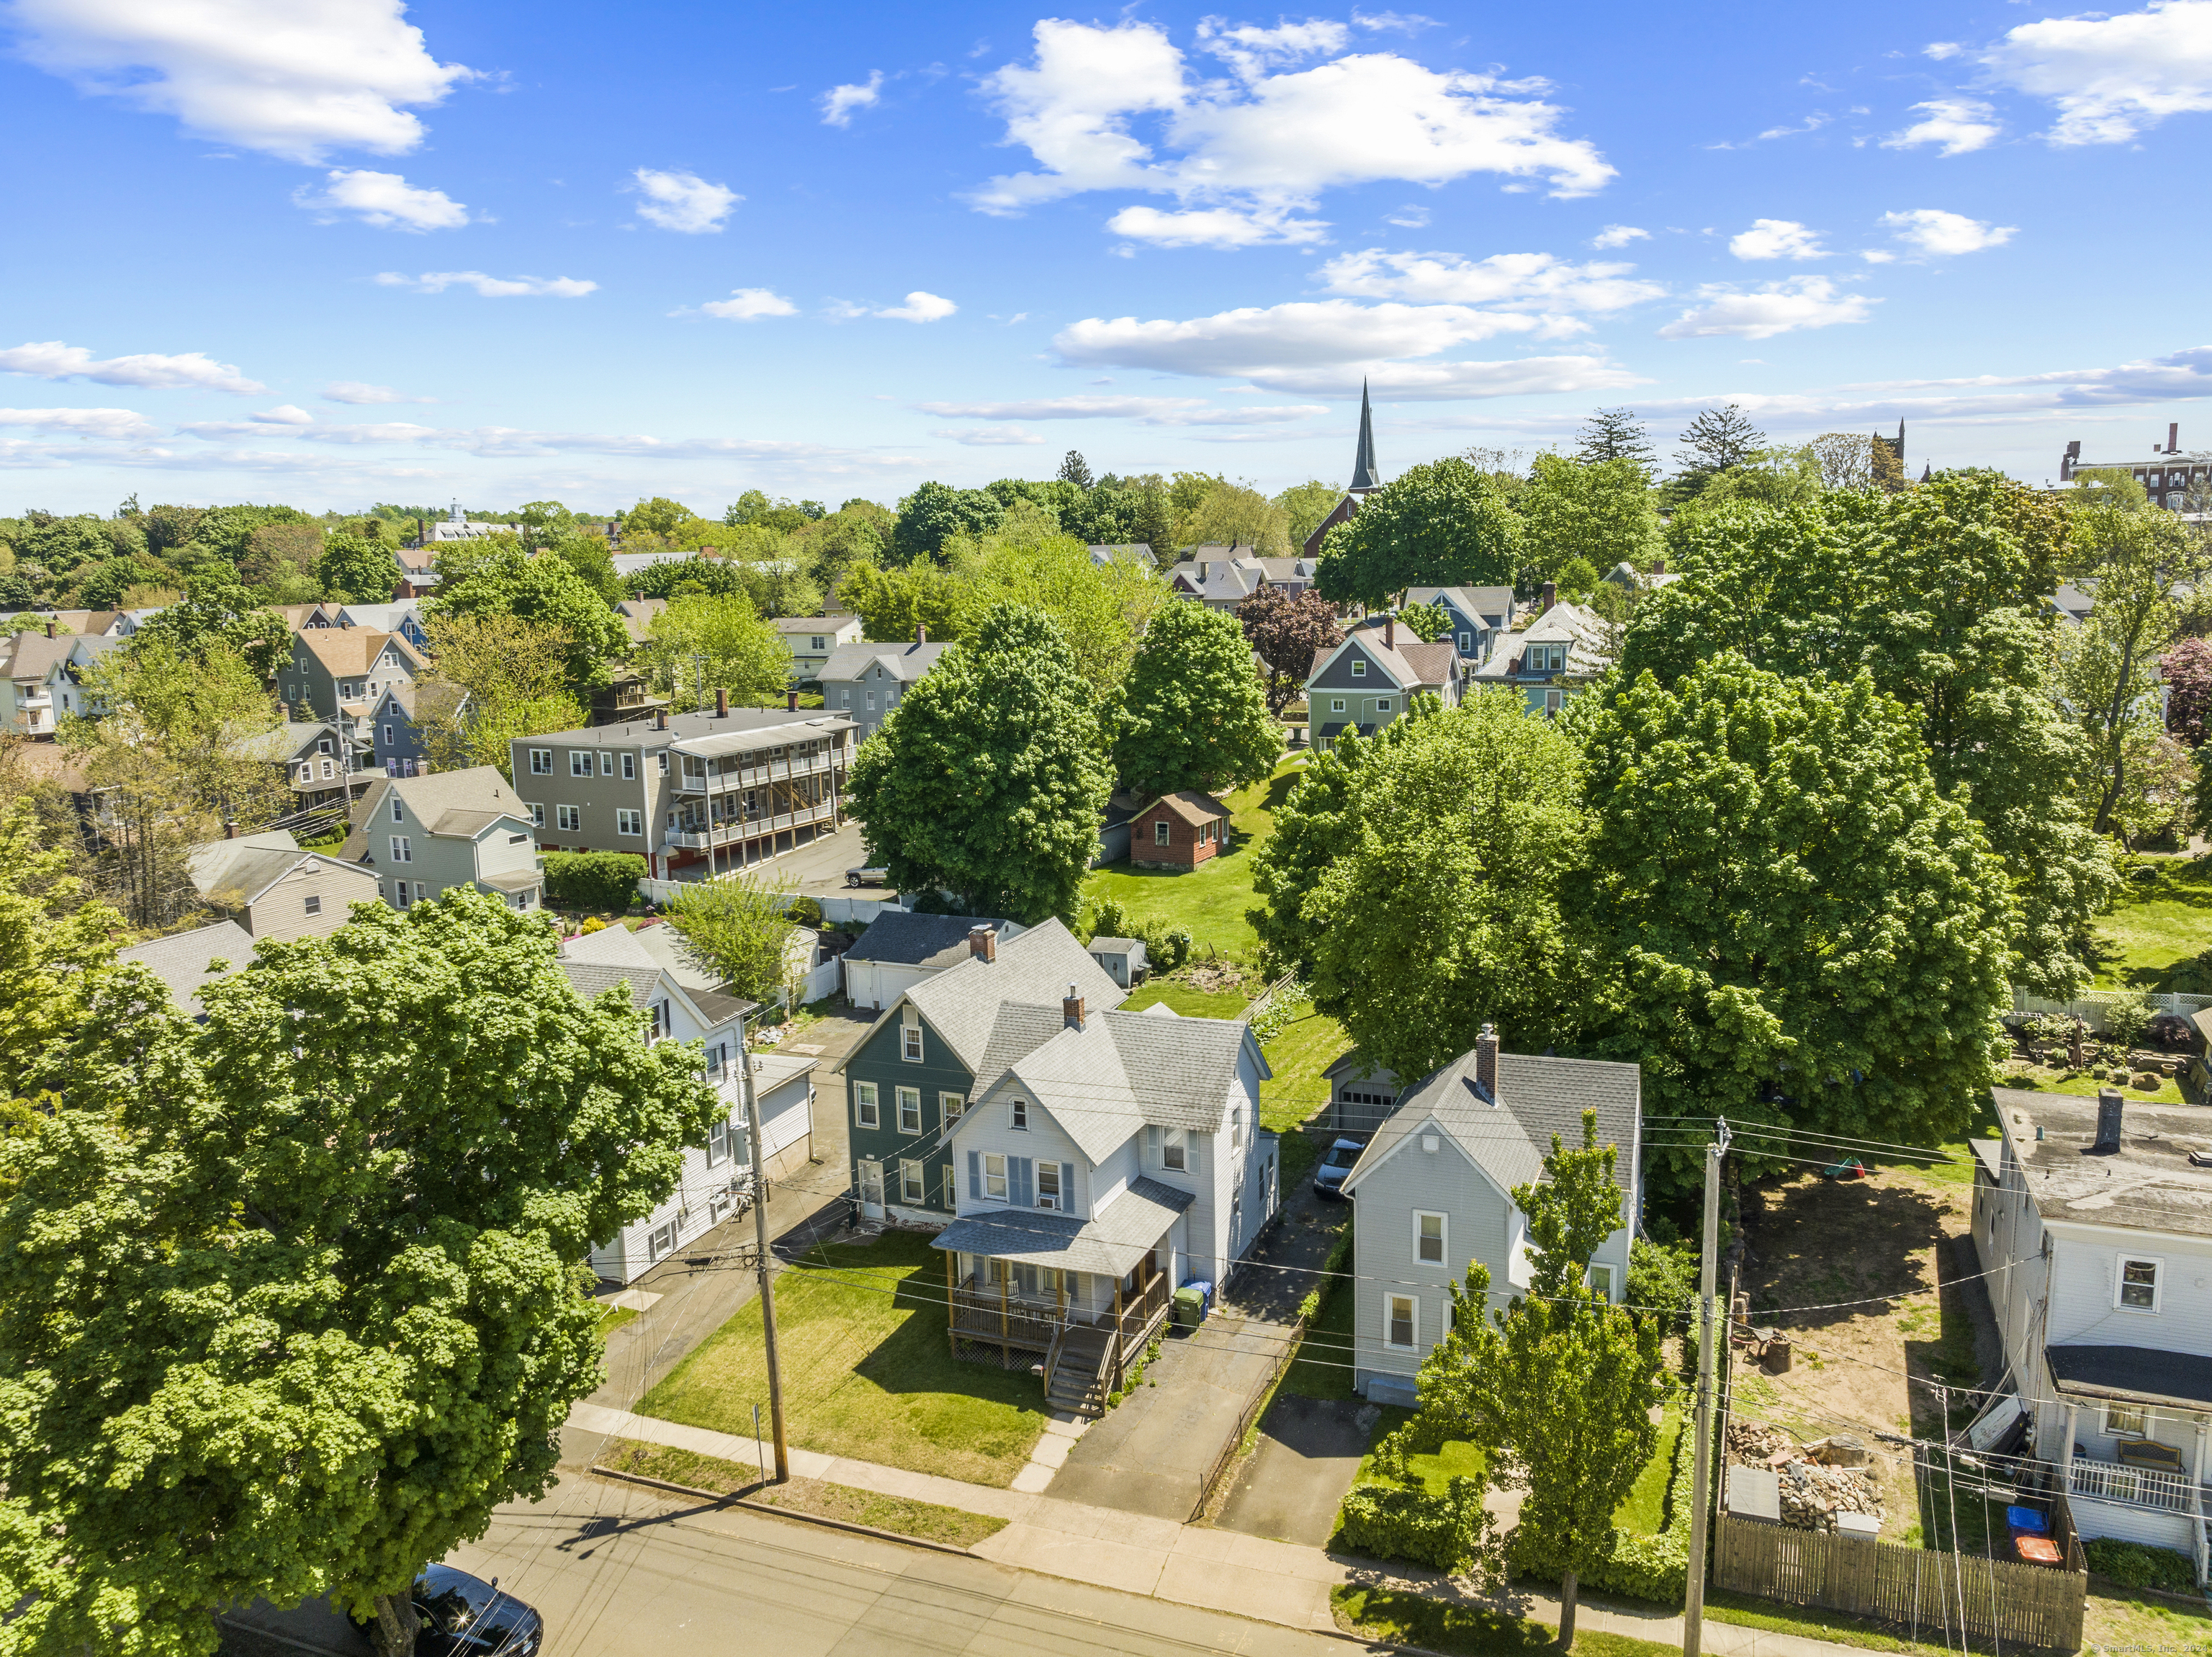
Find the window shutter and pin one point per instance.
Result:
(1152, 1146)
(1190, 1144)
(975, 1175)
(1021, 1186)
(1067, 1187)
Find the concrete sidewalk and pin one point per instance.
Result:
(1196, 1565)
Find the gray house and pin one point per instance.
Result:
(1122, 957)
(272, 889)
(812, 639)
(1434, 1189)
(900, 949)
(1479, 616)
(1366, 681)
(1362, 1094)
(422, 836)
(864, 682)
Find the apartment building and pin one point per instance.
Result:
(696, 795)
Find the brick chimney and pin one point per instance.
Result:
(1486, 1060)
(230, 829)
(660, 719)
(983, 943)
(722, 701)
(1389, 632)
(50, 630)
(791, 701)
(921, 634)
(1658, 566)
(1551, 597)
(2174, 437)
(1071, 1010)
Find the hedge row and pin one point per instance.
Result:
(1655, 1568)
(1436, 1530)
(593, 879)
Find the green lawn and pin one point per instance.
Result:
(867, 1371)
(1322, 1367)
(2159, 930)
(2087, 1084)
(1301, 1050)
(1414, 1619)
(612, 1318)
(1208, 902)
(1188, 1003)
(1645, 1509)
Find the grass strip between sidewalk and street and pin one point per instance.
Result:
(1415, 1619)
(925, 1520)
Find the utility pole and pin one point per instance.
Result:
(1693, 1606)
(760, 1235)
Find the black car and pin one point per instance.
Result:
(465, 1616)
(1335, 1163)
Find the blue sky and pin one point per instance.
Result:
(336, 250)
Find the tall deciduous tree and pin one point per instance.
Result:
(291, 1307)
(702, 643)
(545, 592)
(1305, 505)
(216, 609)
(1288, 629)
(1239, 515)
(1807, 929)
(737, 928)
(935, 513)
(987, 780)
(53, 944)
(1487, 803)
(2186, 670)
(1600, 512)
(493, 677)
(356, 570)
(1442, 524)
(1192, 714)
(1561, 1381)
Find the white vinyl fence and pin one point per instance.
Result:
(2089, 1006)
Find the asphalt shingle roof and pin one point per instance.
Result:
(962, 1003)
(1110, 1245)
(904, 661)
(184, 960)
(899, 938)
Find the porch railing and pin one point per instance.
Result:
(2140, 1487)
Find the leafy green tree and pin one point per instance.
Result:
(1193, 714)
(1442, 524)
(216, 611)
(1561, 1384)
(670, 578)
(543, 591)
(105, 586)
(226, 532)
(702, 643)
(891, 603)
(1287, 630)
(1611, 435)
(357, 570)
(987, 779)
(738, 929)
(935, 513)
(859, 532)
(660, 516)
(54, 944)
(1487, 803)
(315, 1267)
(1239, 515)
(59, 546)
(1808, 931)
(593, 560)
(1426, 622)
(1075, 470)
(1601, 513)
(1102, 610)
(1716, 442)
(1305, 505)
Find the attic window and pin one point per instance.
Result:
(1358, 668)
(1022, 1114)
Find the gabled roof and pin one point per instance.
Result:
(281, 744)
(1509, 1139)
(1122, 1072)
(1471, 601)
(637, 616)
(963, 1002)
(33, 655)
(904, 661)
(899, 938)
(1114, 946)
(1190, 806)
(185, 960)
(597, 961)
(457, 803)
(346, 651)
(829, 626)
(1360, 1067)
(1405, 669)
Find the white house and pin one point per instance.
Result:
(718, 1170)
(2094, 1220)
(1433, 1192)
(1103, 1160)
(901, 949)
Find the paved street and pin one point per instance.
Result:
(618, 1570)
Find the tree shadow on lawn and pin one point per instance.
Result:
(1817, 1240)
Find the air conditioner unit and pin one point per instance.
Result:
(1047, 1202)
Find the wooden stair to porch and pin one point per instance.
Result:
(1078, 1381)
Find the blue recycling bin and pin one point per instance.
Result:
(2026, 1521)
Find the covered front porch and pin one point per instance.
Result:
(2146, 1413)
(1076, 1300)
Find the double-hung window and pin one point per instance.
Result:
(1358, 668)
(606, 765)
(1336, 704)
(1049, 1194)
(663, 757)
(628, 821)
(864, 1105)
(1173, 1150)
(399, 815)
(579, 763)
(994, 1177)
(2137, 1286)
(1401, 1320)
(568, 818)
(660, 1241)
(403, 849)
(948, 1106)
(1021, 1115)
(1429, 1238)
(910, 1042)
(537, 816)
(718, 1144)
(541, 762)
(314, 903)
(630, 768)
(910, 1110)
(911, 1188)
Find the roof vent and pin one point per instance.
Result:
(1429, 1142)
(2111, 1107)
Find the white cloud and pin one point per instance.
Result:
(1408, 218)
(1877, 256)
(1957, 124)
(1152, 411)
(1216, 227)
(750, 305)
(490, 287)
(682, 201)
(1618, 235)
(1763, 312)
(1262, 143)
(918, 307)
(284, 414)
(385, 200)
(294, 78)
(1938, 233)
(358, 391)
(1442, 382)
(990, 436)
(1534, 282)
(53, 359)
(1941, 50)
(1777, 238)
(115, 424)
(2111, 77)
(840, 101)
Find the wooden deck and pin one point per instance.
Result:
(1083, 1354)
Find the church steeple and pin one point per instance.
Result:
(1366, 476)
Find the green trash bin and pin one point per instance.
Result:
(1189, 1307)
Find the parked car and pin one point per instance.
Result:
(866, 876)
(465, 1616)
(1335, 1163)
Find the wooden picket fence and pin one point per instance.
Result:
(1936, 1593)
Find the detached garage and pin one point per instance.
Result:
(900, 949)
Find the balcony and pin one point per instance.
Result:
(753, 777)
(737, 830)
(2138, 1487)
